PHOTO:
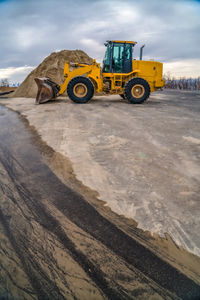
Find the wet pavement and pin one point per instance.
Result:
(142, 160)
(57, 243)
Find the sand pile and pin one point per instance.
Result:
(52, 67)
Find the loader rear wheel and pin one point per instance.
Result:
(80, 89)
(137, 90)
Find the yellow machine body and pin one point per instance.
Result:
(151, 71)
(116, 76)
(91, 71)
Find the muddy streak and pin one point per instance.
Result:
(36, 275)
(52, 225)
(79, 211)
(26, 198)
(165, 247)
(31, 185)
(33, 276)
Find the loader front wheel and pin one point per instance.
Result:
(80, 89)
(137, 90)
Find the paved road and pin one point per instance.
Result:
(143, 160)
(56, 245)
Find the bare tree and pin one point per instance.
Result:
(192, 84)
(4, 82)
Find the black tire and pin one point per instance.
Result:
(122, 96)
(137, 90)
(80, 89)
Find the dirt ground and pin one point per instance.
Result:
(6, 90)
(94, 197)
(52, 66)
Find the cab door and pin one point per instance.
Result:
(117, 58)
(121, 58)
(128, 49)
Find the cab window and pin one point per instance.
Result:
(106, 61)
(117, 59)
(128, 58)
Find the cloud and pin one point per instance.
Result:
(94, 46)
(186, 68)
(31, 30)
(15, 74)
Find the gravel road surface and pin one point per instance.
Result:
(58, 240)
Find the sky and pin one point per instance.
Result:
(32, 29)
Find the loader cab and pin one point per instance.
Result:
(118, 57)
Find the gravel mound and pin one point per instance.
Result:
(52, 67)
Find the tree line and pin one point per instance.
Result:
(192, 84)
(4, 82)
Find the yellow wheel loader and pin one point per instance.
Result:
(132, 79)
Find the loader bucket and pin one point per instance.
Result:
(47, 90)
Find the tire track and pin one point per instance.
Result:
(34, 181)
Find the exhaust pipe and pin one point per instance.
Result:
(141, 51)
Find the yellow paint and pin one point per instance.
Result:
(151, 71)
(80, 90)
(137, 91)
(92, 71)
(127, 42)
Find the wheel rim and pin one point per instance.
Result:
(137, 91)
(80, 90)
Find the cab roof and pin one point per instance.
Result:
(127, 42)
